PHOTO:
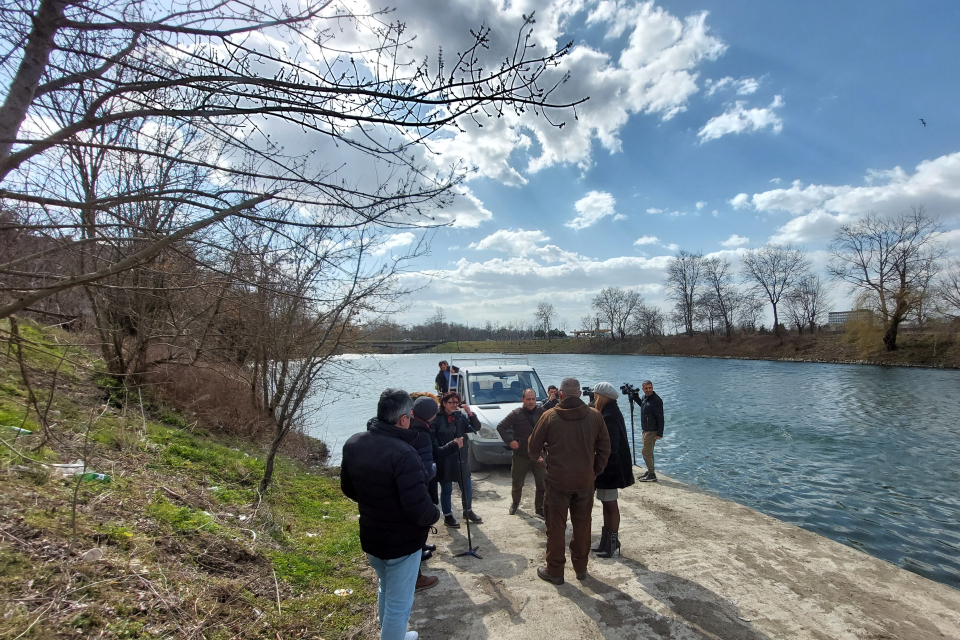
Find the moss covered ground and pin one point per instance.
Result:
(174, 545)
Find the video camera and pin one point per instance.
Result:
(631, 392)
(588, 391)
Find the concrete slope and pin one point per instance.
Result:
(693, 566)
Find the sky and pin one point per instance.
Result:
(712, 126)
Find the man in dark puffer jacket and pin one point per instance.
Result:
(382, 472)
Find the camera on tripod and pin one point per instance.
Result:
(631, 392)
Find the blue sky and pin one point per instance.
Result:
(712, 126)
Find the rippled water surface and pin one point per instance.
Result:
(867, 456)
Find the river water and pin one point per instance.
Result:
(867, 456)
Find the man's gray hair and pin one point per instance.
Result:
(646, 382)
(570, 388)
(393, 404)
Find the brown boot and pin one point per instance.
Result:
(425, 582)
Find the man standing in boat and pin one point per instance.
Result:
(651, 423)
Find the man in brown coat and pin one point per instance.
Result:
(578, 446)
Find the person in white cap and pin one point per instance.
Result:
(618, 474)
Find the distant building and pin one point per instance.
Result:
(843, 317)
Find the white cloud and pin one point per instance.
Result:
(654, 210)
(775, 180)
(747, 86)
(592, 208)
(646, 240)
(672, 247)
(735, 241)
(404, 239)
(700, 205)
(739, 201)
(743, 86)
(738, 119)
(819, 208)
(519, 242)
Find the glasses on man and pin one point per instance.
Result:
(452, 402)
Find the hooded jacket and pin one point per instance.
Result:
(618, 474)
(577, 444)
(382, 472)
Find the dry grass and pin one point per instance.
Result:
(171, 546)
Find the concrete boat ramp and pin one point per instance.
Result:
(694, 566)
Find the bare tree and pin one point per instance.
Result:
(773, 270)
(721, 293)
(807, 303)
(545, 315)
(616, 305)
(74, 69)
(892, 259)
(948, 290)
(684, 280)
(648, 321)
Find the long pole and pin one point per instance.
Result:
(471, 551)
(633, 436)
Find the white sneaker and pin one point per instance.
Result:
(411, 635)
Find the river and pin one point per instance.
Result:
(868, 456)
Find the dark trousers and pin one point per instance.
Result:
(518, 473)
(556, 505)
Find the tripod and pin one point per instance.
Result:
(471, 550)
(633, 436)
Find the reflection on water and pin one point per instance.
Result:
(867, 456)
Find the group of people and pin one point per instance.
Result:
(401, 472)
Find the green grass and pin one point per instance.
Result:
(176, 521)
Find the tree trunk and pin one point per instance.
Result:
(890, 337)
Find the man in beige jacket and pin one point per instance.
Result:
(578, 446)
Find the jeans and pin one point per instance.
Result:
(446, 496)
(398, 582)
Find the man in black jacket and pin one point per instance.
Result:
(382, 472)
(515, 429)
(651, 422)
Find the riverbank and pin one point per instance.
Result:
(916, 349)
(162, 539)
(694, 566)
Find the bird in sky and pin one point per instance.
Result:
(923, 121)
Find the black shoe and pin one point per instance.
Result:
(472, 517)
(650, 477)
(425, 555)
(582, 575)
(451, 522)
(546, 575)
(540, 515)
(613, 546)
(430, 547)
(604, 540)
(645, 474)
(513, 509)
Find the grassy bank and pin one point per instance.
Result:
(862, 346)
(171, 545)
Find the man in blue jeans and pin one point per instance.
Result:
(382, 472)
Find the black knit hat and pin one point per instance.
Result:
(425, 408)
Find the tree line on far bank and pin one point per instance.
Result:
(894, 266)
